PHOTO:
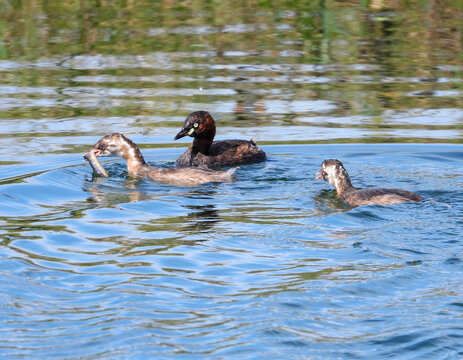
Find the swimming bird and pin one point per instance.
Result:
(205, 151)
(118, 145)
(333, 171)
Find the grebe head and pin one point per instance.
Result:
(334, 172)
(116, 145)
(198, 124)
(110, 145)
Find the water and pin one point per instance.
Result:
(273, 265)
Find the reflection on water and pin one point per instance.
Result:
(332, 72)
(273, 265)
(127, 266)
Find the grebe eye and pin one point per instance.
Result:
(102, 147)
(195, 125)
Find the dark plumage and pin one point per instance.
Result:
(205, 152)
(334, 172)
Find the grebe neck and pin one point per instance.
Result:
(202, 145)
(343, 184)
(132, 155)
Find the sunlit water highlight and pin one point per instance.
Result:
(273, 265)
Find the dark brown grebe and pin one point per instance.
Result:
(118, 145)
(334, 172)
(204, 151)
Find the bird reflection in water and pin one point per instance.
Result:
(200, 218)
(105, 196)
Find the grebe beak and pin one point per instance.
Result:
(319, 175)
(96, 152)
(182, 133)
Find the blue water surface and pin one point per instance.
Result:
(273, 265)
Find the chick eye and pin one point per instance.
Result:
(195, 125)
(102, 147)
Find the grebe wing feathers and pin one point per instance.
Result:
(224, 153)
(380, 196)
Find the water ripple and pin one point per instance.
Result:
(133, 261)
(274, 265)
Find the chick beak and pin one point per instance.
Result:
(182, 133)
(319, 175)
(93, 151)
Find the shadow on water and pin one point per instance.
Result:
(329, 199)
